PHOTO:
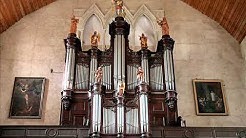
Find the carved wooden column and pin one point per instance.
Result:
(96, 112)
(68, 82)
(170, 93)
(142, 91)
(119, 31)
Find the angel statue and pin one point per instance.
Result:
(119, 7)
(73, 27)
(95, 38)
(164, 26)
(140, 74)
(143, 41)
(99, 75)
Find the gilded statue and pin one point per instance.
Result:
(95, 38)
(143, 41)
(73, 27)
(119, 7)
(140, 74)
(164, 26)
(99, 75)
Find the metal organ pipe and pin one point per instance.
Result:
(169, 72)
(120, 116)
(119, 59)
(145, 65)
(93, 64)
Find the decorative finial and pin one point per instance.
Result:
(73, 27)
(164, 26)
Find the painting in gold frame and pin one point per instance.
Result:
(209, 97)
(27, 97)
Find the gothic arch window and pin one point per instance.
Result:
(91, 25)
(144, 25)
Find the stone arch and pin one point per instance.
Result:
(93, 24)
(93, 10)
(143, 10)
(144, 25)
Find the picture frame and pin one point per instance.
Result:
(209, 97)
(27, 97)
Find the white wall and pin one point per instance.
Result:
(203, 50)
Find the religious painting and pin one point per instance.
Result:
(27, 97)
(209, 97)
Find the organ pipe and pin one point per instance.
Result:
(145, 64)
(93, 64)
(120, 117)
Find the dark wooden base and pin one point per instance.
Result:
(157, 132)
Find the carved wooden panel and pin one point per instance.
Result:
(78, 114)
(158, 106)
(157, 110)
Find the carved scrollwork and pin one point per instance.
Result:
(188, 133)
(133, 58)
(156, 60)
(241, 134)
(66, 102)
(51, 132)
(106, 57)
(83, 58)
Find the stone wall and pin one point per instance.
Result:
(203, 50)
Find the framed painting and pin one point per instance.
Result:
(209, 97)
(27, 97)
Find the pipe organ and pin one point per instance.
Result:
(105, 90)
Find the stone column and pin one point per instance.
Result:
(170, 93)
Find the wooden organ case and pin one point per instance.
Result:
(119, 104)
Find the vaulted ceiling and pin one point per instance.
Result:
(230, 14)
(12, 11)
